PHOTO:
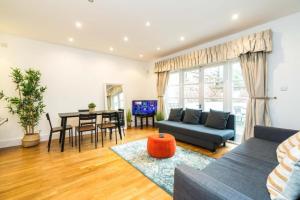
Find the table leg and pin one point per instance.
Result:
(153, 124)
(64, 124)
(119, 126)
(146, 121)
(135, 121)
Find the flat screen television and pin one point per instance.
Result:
(144, 107)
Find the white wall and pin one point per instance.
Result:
(284, 68)
(73, 77)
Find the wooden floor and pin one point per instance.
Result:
(33, 173)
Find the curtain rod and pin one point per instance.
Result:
(263, 97)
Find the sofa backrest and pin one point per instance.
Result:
(230, 123)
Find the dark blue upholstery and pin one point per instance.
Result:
(240, 174)
(198, 134)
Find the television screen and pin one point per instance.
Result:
(144, 107)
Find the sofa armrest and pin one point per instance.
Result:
(190, 184)
(273, 134)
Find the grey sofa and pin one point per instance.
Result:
(198, 134)
(240, 174)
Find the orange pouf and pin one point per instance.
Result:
(161, 147)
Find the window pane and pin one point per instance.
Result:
(239, 100)
(191, 103)
(215, 104)
(213, 88)
(172, 92)
(171, 103)
(173, 78)
(191, 91)
(238, 84)
(191, 76)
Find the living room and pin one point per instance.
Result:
(149, 99)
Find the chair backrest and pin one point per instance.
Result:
(83, 110)
(109, 117)
(48, 118)
(121, 114)
(87, 119)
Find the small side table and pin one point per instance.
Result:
(161, 147)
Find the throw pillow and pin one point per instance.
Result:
(286, 145)
(175, 114)
(192, 116)
(217, 119)
(284, 181)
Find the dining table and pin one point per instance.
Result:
(64, 119)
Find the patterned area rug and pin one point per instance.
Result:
(160, 171)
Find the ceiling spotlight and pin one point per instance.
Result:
(111, 48)
(235, 16)
(182, 38)
(141, 55)
(78, 24)
(91, 1)
(71, 39)
(125, 39)
(158, 48)
(148, 24)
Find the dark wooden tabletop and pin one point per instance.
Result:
(76, 114)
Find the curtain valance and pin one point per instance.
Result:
(261, 41)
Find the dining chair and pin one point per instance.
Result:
(122, 119)
(58, 129)
(109, 121)
(87, 123)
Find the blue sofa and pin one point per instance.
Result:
(198, 134)
(239, 175)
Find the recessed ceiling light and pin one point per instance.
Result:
(182, 38)
(148, 23)
(111, 48)
(158, 48)
(235, 16)
(78, 24)
(91, 1)
(141, 55)
(125, 39)
(71, 39)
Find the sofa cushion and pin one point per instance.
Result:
(196, 130)
(217, 119)
(192, 116)
(287, 145)
(246, 168)
(175, 114)
(280, 183)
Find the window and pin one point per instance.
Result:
(172, 91)
(214, 88)
(218, 87)
(191, 88)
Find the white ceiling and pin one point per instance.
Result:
(106, 22)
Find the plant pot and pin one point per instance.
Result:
(91, 110)
(128, 125)
(30, 140)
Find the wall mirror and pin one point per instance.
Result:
(114, 97)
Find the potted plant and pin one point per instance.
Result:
(28, 104)
(128, 118)
(92, 107)
(160, 116)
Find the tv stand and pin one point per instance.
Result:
(142, 116)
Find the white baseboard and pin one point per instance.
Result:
(18, 141)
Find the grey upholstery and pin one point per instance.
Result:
(198, 134)
(240, 174)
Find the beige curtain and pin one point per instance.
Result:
(256, 42)
(162, 80)
(254, 68)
